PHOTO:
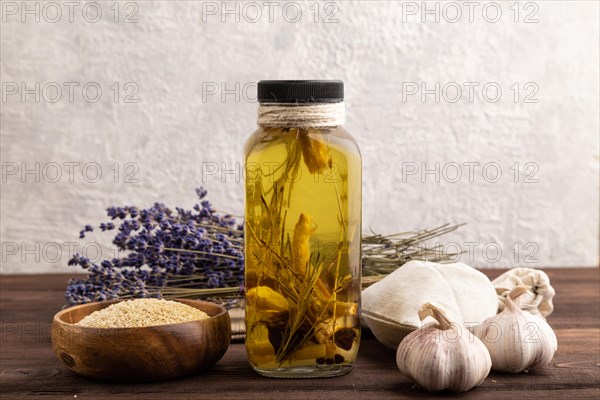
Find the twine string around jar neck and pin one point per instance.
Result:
(301, 115)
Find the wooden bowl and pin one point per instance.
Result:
(141, 354)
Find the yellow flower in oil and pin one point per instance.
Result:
(301, 244)
(267, 300)
(315, 152)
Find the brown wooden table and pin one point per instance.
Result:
(29, 367)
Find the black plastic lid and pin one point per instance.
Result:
(300, 91)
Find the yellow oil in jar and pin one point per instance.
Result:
(302, 238)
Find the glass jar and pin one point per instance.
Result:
(302, 233)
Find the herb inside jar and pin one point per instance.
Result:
(302, 248)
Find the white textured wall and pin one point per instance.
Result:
(173, 57)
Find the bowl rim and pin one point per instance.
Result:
(58, 316)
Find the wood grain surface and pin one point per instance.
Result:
(30, 368)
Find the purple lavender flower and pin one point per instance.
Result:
(164, 250)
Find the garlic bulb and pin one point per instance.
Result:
(517, 340)
(443, 355)
(538, 300)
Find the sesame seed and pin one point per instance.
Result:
(141, 313)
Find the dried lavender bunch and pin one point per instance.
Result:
(382, 255)
(168, 253)
(199, 253)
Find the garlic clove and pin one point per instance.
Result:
(517, 340)
(443, 355)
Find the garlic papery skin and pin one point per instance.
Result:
(443, 355)
(517, 340)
